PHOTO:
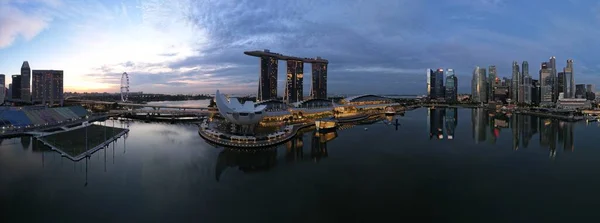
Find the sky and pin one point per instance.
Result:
(373, 46)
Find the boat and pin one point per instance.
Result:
(326, 124)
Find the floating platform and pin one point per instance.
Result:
(73, 144)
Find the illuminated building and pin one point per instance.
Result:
(294, 81)
(267, 86)
(267, 83)
(554, 84)
(47, 86)
(25, 82)
(318, 89)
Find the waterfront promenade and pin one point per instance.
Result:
(253, 144)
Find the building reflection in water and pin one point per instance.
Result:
(552, 133)
(249, 160)
(440, 119)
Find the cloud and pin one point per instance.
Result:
(16, 22)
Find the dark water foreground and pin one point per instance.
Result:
(494, 169)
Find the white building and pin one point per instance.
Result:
(237, 113)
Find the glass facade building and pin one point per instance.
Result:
(319, 81)
(267, 83)
(451, 86)
(479, 85)
(294, 81)
(25, 81)
(568, 80)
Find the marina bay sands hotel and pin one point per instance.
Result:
(267, 82)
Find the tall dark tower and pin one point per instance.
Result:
(319, 81)
(294, 81)
(25, 81)
(267, 83)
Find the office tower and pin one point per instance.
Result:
(479, 85)
(2, 88)
(569, 80)
(590, 92)
(580, 91)
(437, 82)
(451, 86)
(493, 82)
(561, 83)
(526, 82)
(516, 77)
(429, 73)
(294, 81)
(535, 91)
(25, 81)
(546, 84)
(319, 80)
(16, 86)
(267, 83)
(47, 86)
(554, 82)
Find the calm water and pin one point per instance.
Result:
(167, 172)
(187, 103)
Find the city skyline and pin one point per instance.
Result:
(196, 47)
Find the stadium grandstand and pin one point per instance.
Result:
(36, 115)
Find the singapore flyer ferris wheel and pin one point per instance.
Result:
(124, 87)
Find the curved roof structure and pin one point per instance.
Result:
(314, 100)
(237, 113)
(357, 97)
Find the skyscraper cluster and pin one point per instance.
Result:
(47, 86)
(436, 90)
(521, 88)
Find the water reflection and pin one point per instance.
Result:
(487, 126)
(249, 161)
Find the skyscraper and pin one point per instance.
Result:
(479, 85)
(561, 83)
(516, 77)
(16, 86)
(435, 83)
(554, 82)
(590, 93)
(580, 91)
(526, 83)
(319, 80)
(267, 83)
(493, 82)
(25, 81)
(294, 81)
(546, 84)
(568, 80)
(429, 73)
(2, 87)
(535, 91)
(47, 86)
(451, 86)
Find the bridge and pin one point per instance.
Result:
(133, 105)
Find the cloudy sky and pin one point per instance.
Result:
(374, 46)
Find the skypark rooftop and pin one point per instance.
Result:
(258, 53)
